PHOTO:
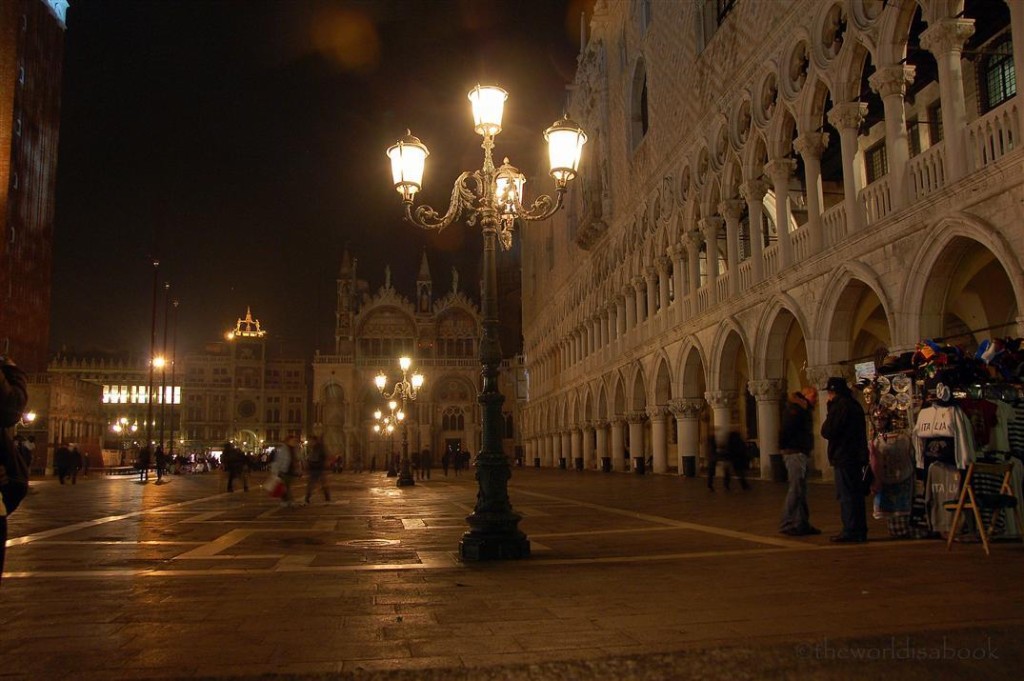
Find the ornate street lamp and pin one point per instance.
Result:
(494, 197)
(385, 426)
(406, 389)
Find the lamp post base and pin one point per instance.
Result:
(494, 537)
(405, 481)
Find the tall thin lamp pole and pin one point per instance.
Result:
(152, 353)
(163, 365)
(174, 362)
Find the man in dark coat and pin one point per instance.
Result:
(13, 399)
(62, 461)
(845, 428)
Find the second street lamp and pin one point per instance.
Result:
(405, 389)
(494, 197)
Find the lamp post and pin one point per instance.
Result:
(494, 197)
(152, 356)
(123, 427)
(406, 389)
(174, 362)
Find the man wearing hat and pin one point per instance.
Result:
(796, 440)
(845, 428)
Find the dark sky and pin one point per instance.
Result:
(243, 144)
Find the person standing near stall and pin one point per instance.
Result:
(845, 428)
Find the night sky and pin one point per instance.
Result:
(243, 144)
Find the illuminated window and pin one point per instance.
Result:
(876, 162)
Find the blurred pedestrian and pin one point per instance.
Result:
(142, 463)
(233, 460)
(796, 440)
(446, 460)
(13, 473)
(426, 464)
(316, 464)
(845, 428)
(62, 461)
(161, 463)
(286, 465)
(75, 463)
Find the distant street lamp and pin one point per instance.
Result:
(123, 427)
(406, 389)
(152, 356)
(494, 197)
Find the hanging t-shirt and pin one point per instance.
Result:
(892, 462)
(943, 485)
(939, 421)
(1015, 430)
(982, 415)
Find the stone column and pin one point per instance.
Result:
(891, 83)
(678, 253)
(606, 325)
(621, 317)
(732, 209)
(587, 445)
(629, 299)
(945, 39)
(576, 446)
(687, 412)
(818, 376)
(601, 451)
(659, 439)
(693, 242)
(640, 298)
(1017, 34)
(567, 447)
(556, 448)
(753, 192)
(652, 291)
(811, 146)
(710, 227)
(721, 402)
(768, 392)
(618, 450)
(847, 119)
(664, 264)
(780, 170)
(636, 438)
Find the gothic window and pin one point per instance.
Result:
(639, 114)
(998, 80)
(702, 264)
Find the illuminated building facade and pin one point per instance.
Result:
(772, 191)
(239, 389)
(441, 335)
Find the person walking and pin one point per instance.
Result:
(796, 441)
(287, 467)
(161, 463)
(233, 460)
(74, 463)
(426, 464)
(62, 461)
(845, 428)
(316, 464)
(145, 454)
(446, 460)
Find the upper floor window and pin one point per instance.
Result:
(710, 15)
(998, 80)
(639, 113)
(876, 162)
(935, 123)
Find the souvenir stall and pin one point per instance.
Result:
(932, 413)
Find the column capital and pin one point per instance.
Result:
(947, 35)
(634, 417)
(731, 209)
(819, 375)
(657, 413)
(600, 423)
(711, 224)
(617, 421)
(663, 264)
(686, 407)
(811, 144)
(848, 115)
(676, 250)
(766, 390)
(780, 169)
(892, 80)
(755, 190)
(720, 399)
(651, 271)
(628, 290)
(692, 239)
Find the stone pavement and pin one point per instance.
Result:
(631, 577)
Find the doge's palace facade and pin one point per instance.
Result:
(773, 190)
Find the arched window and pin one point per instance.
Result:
(639, 115)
